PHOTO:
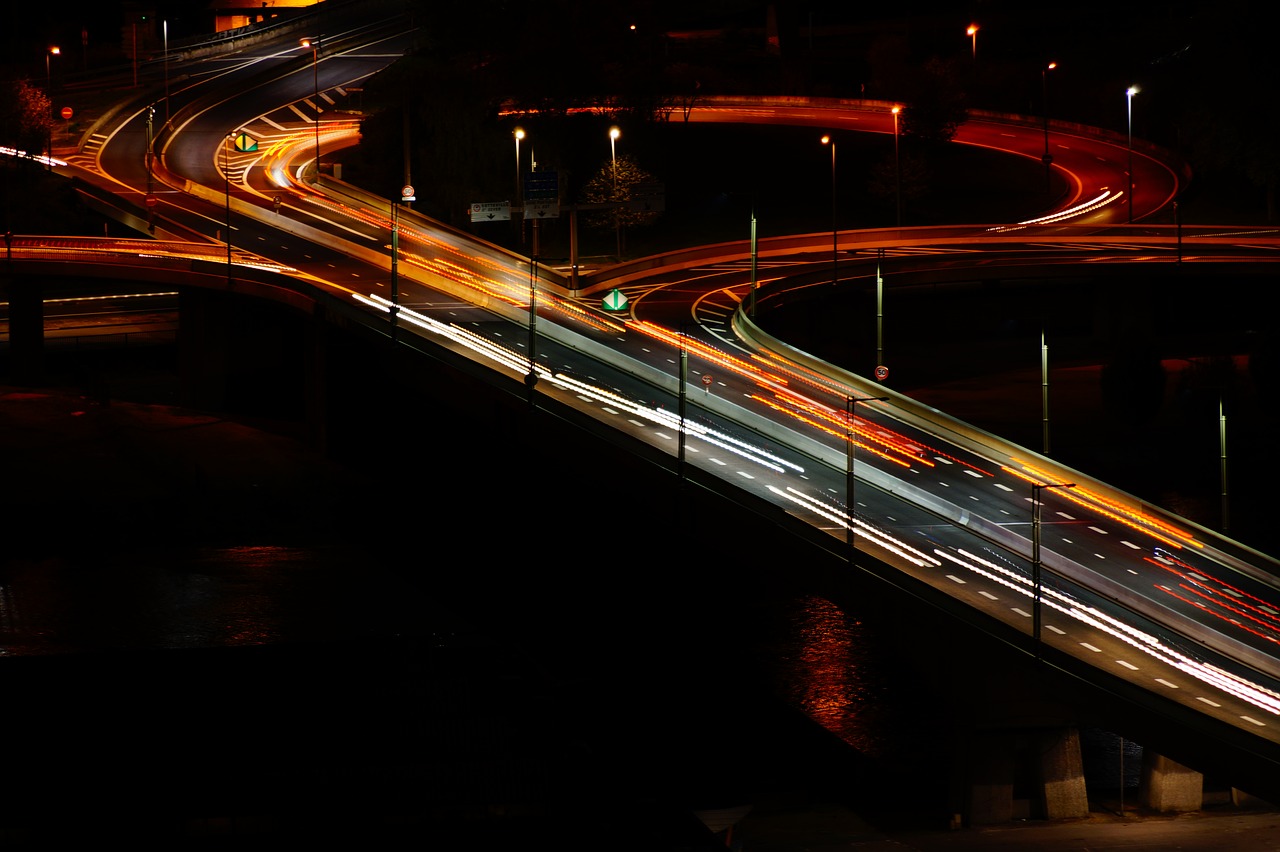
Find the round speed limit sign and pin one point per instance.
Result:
(882, 372)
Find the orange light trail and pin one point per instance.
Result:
(709, 353)
(842, 435)
(1137, 521)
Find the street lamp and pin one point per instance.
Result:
(1129, 93)
(972, 32)
(852, 402)
(315, 80)
(518, 133)
(829, 140)
(48, 91)
(1036, 488)
(166, 72)
(897, 165)
(614, 133)
(226, 184)
(1044, 103)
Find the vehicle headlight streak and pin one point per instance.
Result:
(1102, 200)
(1258, 696)
(520, 365)
(861, 528)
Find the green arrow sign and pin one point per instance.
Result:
(615, 301)
(245, 142)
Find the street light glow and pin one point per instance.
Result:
(1129, 93)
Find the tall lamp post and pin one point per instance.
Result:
(1036, 488)
(1129, 93)
(852, 402)
(226, 183)
(614, 133)
(1044, 104)
(48, 91)
(972, 32)
(897, 165)
(518, 133)
(166, 72)
(829, 140)
(315, 81)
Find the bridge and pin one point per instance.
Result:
(780, 436)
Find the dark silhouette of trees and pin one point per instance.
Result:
(25, 116)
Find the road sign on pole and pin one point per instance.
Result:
(491, 211)
(542, 195)
(246, 143)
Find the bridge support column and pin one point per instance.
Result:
(26, 329)
(1169, 787)
(991, 771)
(1026, 774)
(315, 381)
(203, 329)
(1062, 775)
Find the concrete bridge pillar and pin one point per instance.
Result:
(991, 772)
(1062, 775)
(315, 381)
(1027, 774)
(204, 325)
(1169, 787)
(26, 328)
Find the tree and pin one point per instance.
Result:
(605, 188)
(616, 183)
(25, 116)
(936, 106)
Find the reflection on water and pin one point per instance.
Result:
(180, 598)
(826, 664)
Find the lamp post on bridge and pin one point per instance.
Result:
(851, 403)
(1036, 488)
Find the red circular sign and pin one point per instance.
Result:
(882, 373)
(706, 379)
(151, 200)
(66, 112)
(406, 192)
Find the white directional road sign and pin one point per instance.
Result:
(490, 211)
(541, 209)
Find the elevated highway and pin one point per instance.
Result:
(1082, 580)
